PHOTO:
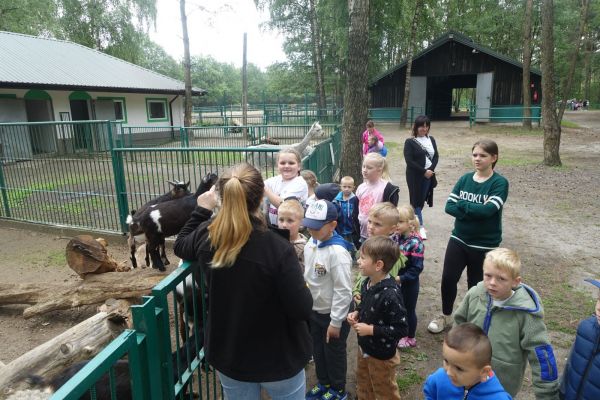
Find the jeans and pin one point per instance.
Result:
(288, 389)
(424, 190)
(410, 294)
(330, 358)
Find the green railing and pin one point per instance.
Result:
(267, 114)
(502, 114)
(95, 190)
(156, 369)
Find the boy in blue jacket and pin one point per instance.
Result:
(347, 203)
(467, 371)
(581, 378)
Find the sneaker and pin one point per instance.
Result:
(407, 342)
(333, 394)
(423, 233)
(440, 323)
(317, 392)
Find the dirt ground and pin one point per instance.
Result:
(549, 219)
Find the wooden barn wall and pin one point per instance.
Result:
(455, 58)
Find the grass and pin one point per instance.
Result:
(392, 145)
(569, 124)
(57, 259)
(509, 130)
(408, 379)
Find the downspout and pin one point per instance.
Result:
(171, 116)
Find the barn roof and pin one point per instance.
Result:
(459, 38)
(29, 61)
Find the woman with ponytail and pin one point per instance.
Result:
(258, 303)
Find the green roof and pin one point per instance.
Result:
(42, 63)
(459, 38)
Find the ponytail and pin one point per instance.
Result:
(241, 191)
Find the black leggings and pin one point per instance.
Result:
(459, 255)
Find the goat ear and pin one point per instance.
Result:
(187, 184)
(172, 183)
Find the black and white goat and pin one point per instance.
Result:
(136, 234)
(166, 219)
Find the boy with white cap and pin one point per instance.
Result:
(327, 273)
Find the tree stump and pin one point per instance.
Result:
(86, 255)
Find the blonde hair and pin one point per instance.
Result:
(310, 178)
(241, 189)
(386, 211)
(407, 213)
(289, 150)
(505, 260)
(292, 206)
(348, 179)
(379, 161)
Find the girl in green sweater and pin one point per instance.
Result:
(476, 203)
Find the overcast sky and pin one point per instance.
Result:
(218, 32)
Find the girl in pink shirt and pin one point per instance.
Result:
(365, 136)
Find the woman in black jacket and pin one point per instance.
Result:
(258, 303)
(421, 156)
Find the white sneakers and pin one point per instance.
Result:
(423, 233)
(440, 323)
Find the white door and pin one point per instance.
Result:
(484, 95)
(418, 95)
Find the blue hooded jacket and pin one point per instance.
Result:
(581, 378)
(439, 387)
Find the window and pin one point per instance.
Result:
(157, 110)
(119, 110)
(112, 108)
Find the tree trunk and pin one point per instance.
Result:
(527, 65)
(587, 68)
(411, 50)
(568, 81)
(317, 57)
(356, 97)
(549, 117)
(94, 289)
(187, 114)
(79, 343)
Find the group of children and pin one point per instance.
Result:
(500, 313)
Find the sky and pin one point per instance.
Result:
(218, 31)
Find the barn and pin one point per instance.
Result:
(454, 61)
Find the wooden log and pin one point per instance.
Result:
(86, 255)
(94, 289)
(79, 343)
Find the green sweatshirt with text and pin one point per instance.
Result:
(477, 207)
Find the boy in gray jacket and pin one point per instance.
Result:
(511, 314)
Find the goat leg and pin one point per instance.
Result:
(163, 253)
(131, 242)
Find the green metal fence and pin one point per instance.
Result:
(502, 114)
(393, 114)
(95, 189)
(162, 360)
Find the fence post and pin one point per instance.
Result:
(3, 189)
(120, 187)
(145, 321)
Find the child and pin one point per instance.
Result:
(365, 136)
(311, 183)
(375, 146)
(511, 315)
(411, 246)
(289, 216)
(288, 183)
(374, 189)
(327, 274)
(581, 377)
(383, 221)
(327, 191)
(379, 321)
(347, 203)
(467, 373)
